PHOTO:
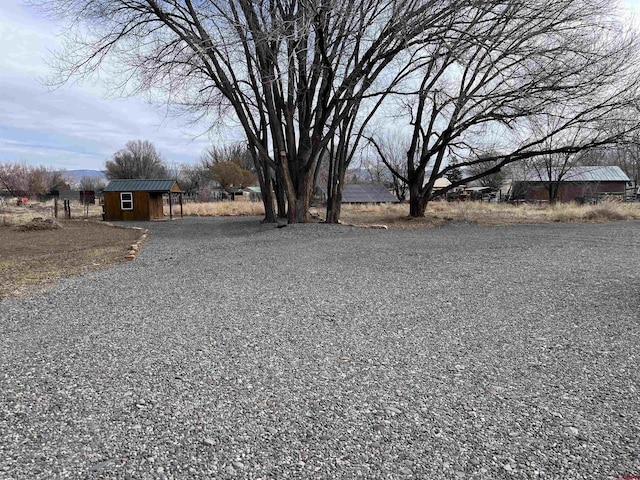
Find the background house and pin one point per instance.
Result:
(580, 184)
(359, 193)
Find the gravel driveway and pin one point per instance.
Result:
(231, 349)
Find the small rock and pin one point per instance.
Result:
(571, 431)
(393, 411)
(160, 470)
(238, 465)
(380, 227)
(209, 441)
(474, 461)
(507, 467)
(99, 466)
(230, 470)
(405, 471)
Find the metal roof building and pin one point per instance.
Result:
(139, 199)
(138, 185)
(579, 184)
(581, 174)
(362, 193)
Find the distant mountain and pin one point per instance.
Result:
(74, 176)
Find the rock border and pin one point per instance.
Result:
(134, 249)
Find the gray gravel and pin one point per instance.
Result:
(231, 349)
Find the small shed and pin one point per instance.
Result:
(139, 199)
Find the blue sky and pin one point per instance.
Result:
(78, 126)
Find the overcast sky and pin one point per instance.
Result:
(77, 126)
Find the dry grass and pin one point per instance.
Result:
(218, 209)
(12, 215)
(394, 216)
(486, 214)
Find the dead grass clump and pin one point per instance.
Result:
(6, 221)
(39, 224)
(610, 211)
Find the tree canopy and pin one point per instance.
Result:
(139, 159)
(229, 174)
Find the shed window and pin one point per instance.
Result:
(126, 201)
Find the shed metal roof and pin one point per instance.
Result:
(582, 174)
(137, 185)
(365, 193)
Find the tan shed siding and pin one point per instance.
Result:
(113, 212)
(155, 206)
(112, 206)
(140, 207)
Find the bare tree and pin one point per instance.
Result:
(502, 67)
(22, 180)
(624, 154)
(391, 162)
(55, 181)
(552, 170)
(92, 183)
(139, 159)
(236, 153)
(192, 178)
(293, 73)
(490, 180)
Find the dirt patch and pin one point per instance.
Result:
(35, 255)
(39, 224)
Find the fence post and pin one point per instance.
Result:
(55, 207)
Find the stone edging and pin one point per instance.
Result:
(133, 250)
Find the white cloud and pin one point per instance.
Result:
(74, 126)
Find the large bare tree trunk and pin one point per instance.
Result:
(334, 207)
(417, 202)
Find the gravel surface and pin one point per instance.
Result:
(231, 349)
